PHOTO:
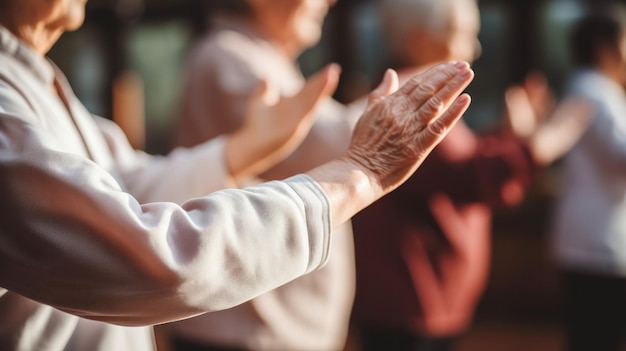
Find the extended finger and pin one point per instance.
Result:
(426, 84)
(436, 104)
(439, 128)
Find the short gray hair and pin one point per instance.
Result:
(400, 16)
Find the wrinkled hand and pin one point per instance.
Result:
(275, 126)
(398, 131)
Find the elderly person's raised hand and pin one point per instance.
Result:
(275, 126)
(526, 105)
(550, 131)
(394, 136)
(561, 130)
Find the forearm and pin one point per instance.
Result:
(74, 240)
(183, 174)
(242, 160)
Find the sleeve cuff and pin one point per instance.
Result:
(317, 210)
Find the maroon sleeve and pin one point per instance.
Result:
(491, 169)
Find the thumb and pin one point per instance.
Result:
(388, 86)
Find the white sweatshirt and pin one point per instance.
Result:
(311, 313)
(590, 218)
(85, 254)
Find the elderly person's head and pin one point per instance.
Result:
(294, 24)
(422, 32)
(39, 23)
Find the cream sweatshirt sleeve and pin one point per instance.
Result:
(71, 237)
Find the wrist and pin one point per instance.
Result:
(349, 187)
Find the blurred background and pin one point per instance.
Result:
(126, 63)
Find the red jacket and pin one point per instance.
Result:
(423, 251)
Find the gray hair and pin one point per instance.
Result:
(398, 17)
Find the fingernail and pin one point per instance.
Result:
(461, 65)
(465, 73)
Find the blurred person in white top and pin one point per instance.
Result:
(589, 224)
(250, 41)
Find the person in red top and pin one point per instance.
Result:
(418, 285)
